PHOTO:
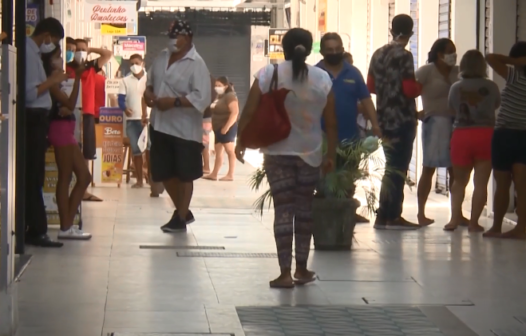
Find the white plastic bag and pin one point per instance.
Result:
(143, 139)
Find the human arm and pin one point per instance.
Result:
(411, 88)
(496, 94)
(69, 102)
(371, 84)
(453, 98)
(501, 65)
(121, 98)
(331, 128)
(144, 116)
(367, 105)
(253, 99)
(233, 108)
(35, 87)
(105, 57)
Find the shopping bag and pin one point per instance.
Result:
(143, 139)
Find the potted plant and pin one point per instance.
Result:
(334, 208)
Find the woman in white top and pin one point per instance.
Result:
(293, 165)
(436, 78)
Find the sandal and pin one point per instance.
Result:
(92, 198)
(300, 281)
(280, 284)
(450, 227)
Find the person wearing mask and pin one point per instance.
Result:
(293, 165)
(509, 141)
(350, 91)
(100, 93)
(474, 99)
(224, 123)
(88, 89)
(68, 156)
(131, 101)
(392, 78)
(437, 118)
(178, 90)
(45, 39)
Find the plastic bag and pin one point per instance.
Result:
(143, 139)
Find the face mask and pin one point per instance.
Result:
(450, 59)
(172, 46)
(80, 56)
(46, 48)
(136, 69)
(70, 56)
(58, 63)
(220, 90)
(333, 59)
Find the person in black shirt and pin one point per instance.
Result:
(68, 156)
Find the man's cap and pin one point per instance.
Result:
(402, 25)
(180, 27)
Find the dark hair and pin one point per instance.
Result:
(137, 56)
(81, 41)
(70, 40)
(439, 46)
(402, 25)
(297, 45)
(330, 36)
(46, 60)
(519, 50)
(225, 81)
(50, 25)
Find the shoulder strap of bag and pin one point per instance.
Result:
(274, 81)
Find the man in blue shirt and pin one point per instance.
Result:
(349, 89)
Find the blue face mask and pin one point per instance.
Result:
(70, 55)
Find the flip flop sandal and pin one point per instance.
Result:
(451, 228)
(92, 198)
(281, 285)
(304, 281)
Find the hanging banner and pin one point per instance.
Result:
(322, 16)
(110, 133)
(112, 12)
(275, 49)
(126, 46)
(32, 18)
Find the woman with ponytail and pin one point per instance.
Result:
(436, 78)
(293, 165)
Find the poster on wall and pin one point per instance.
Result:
(109, 137)
(275, 49)
(32, 18)
(322, 16)
(113, 12)
(125, 46)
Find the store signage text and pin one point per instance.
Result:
(112, 12)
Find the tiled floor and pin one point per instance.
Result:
(110, 284)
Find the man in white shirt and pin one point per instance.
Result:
(131, 101)
(179, 91)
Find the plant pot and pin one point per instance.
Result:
(334, 221)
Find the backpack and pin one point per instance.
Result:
(208, 111)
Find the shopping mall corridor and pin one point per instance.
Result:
(131, 279)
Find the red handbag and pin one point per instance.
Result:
(270, 122)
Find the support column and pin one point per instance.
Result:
(359, 34)
(402, 7)
(380, 24)
(428, 32)
(464, 25)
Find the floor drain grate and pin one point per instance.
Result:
(225, 255)
(520, 331)
(162, 334)
(175, 247)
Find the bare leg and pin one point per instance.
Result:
(137, 161)
(462, 174)
(83, 180)
(519, 180)
(206, 160)
(424, 188)
(229, 149)
(501, 200)
(464, 221)
(87, 195)
(480, 194)
(64, 160)
(217, 164)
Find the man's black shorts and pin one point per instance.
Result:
(89, 147)
(173, 157)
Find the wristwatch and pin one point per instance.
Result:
(177, 102)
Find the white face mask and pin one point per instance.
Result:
(220, 90)
(81, 56)
(136, 69)
(46, 48)
(172, 46)
(450, 59)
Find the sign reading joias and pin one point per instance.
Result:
(110, 11)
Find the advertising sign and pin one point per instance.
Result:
(32, 18)
(113, 12)
(275, 49)
(116, 29)
(322, 16)
(110, 131)
(112, 86)
(126, 46)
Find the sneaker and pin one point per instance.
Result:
(74, 233)
(189, 216)
(401, 224)
(176, 224)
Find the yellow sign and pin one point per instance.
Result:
(115, 29)
(275, 49)
(322, 16)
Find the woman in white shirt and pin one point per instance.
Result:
(293, 165)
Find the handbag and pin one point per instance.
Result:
(270, 122)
